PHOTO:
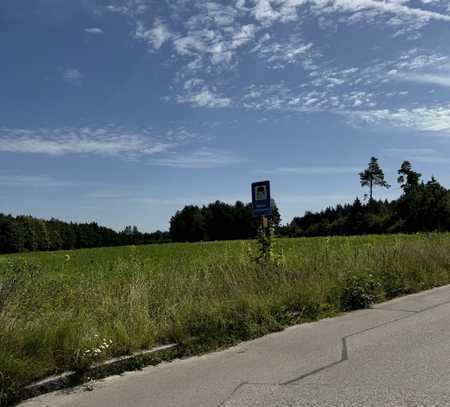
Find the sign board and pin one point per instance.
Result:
(261, 202)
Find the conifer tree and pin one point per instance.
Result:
(408, 178)
(372, 176)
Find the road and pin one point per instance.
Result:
(396, 354)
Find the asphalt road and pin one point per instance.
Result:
(396, 354)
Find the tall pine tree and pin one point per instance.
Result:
(372, 176)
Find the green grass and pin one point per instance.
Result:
(204, 295)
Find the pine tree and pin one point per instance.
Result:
(408, 178)
(372, 176)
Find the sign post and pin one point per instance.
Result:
(261, 202)
(262, 207)
(265, 221)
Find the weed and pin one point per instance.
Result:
(203, 295)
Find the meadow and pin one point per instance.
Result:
(63, 311)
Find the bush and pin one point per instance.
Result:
(360, 291)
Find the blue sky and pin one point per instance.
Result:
(122, 112)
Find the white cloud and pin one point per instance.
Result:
(324, 200)
(72, 75)
(430, 119)
(417, 59)
(156, 36)
(188, 200)
(311, 170)
(431, 159)
(344, 88)
(432, 79)
(209, 38)
(94, 31)
(396, 14)
(325, 98)
(409, 151)
(281, 54)
(203, 158)
(268, 12)
(101, 141)
(264, 12)
(373, 9)
(37, 181)
(200, 95)
(211, 28)
(243, 36)
(216, 45)
(130, 8)
(423, 155)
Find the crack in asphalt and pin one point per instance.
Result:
(344, 357)
(344, 353)
(237, 388)
(344, 350)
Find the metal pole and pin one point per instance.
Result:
(264, 222)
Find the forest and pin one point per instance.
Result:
(25, 233)
(422, 207)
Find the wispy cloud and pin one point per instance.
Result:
(210, 38)
(402, 151)
(321, 201)
(37, 181)
(311, 170)
(197, 93)
(188, 200)
(94, 31)
(203, 158)
(429, 119)
(130, 8)
(285, 98)
(324, 200)
(100, 141)
(429, 78)
(422, 155)
(107, 195)
(72, 75)
(155, 36)
(344, 88)
(278, 55)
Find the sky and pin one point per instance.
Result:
(123, 111)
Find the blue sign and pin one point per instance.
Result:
(261, 202)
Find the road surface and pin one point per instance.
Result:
(396, 354)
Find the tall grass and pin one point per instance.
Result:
(64, 305)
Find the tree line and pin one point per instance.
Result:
(422, 207)
(25, 233)
(216, 221)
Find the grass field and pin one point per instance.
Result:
(69, 309)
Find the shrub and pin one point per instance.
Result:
(360, 291)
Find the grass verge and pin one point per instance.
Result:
(65, 311)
